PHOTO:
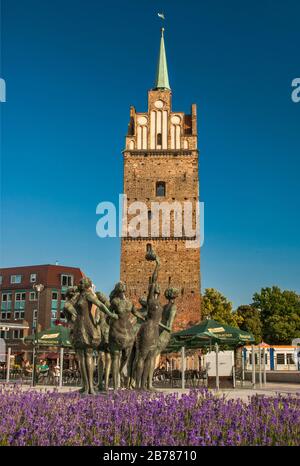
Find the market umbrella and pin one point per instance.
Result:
(55, 336)
(206, 333)
(211, 331)
(176, 344)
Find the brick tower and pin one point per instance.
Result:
(161, 164)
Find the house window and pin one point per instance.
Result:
(5, 315)
(4, 334)
(19, 315)
(54, 301)
(160, 188)
(0, 279)
(280, 358)
(6, 301)
(290, 358)
(32, 277)
(62, 300)
(67, 280)
(17, 334)
(20, 300)
(32, 296)
(15, 278)
(255, 358)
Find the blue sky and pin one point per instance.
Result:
(72, 70)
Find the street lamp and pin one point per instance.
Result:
(38, 288)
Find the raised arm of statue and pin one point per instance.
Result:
(172, 317)
(93, 299)
(74, 298)
(153, 280)
(70, 311)
(155, 273)
(168, 329)
(136, 313)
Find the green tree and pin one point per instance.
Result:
(280, 314)
(250, 321)
(216, 306)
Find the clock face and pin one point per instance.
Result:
(142, 120)
(175, 120)
(159, 104)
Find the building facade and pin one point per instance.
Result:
(161, 165)
(277, 357)
(18, 299)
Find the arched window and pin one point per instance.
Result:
(159, 139)
(160, 188)
(149, 214)
(148, 247)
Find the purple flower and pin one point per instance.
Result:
(134, 418)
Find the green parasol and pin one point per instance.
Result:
(55, 336)
(210, 331)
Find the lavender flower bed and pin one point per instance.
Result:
(130, 418)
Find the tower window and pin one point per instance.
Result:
(159, 139)
(148, 247)
(160, 188)
(149, 214)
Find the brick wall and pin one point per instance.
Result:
(178, 168)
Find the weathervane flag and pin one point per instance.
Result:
(161, 15)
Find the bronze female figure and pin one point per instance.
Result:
(121, 331)
(86, 335)
(148, 335)
(165, 328)
(104, 358)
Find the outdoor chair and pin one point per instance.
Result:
(239, 377)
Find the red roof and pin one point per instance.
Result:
(49, 275)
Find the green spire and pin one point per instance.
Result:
(162, 78)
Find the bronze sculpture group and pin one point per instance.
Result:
(128, 341)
